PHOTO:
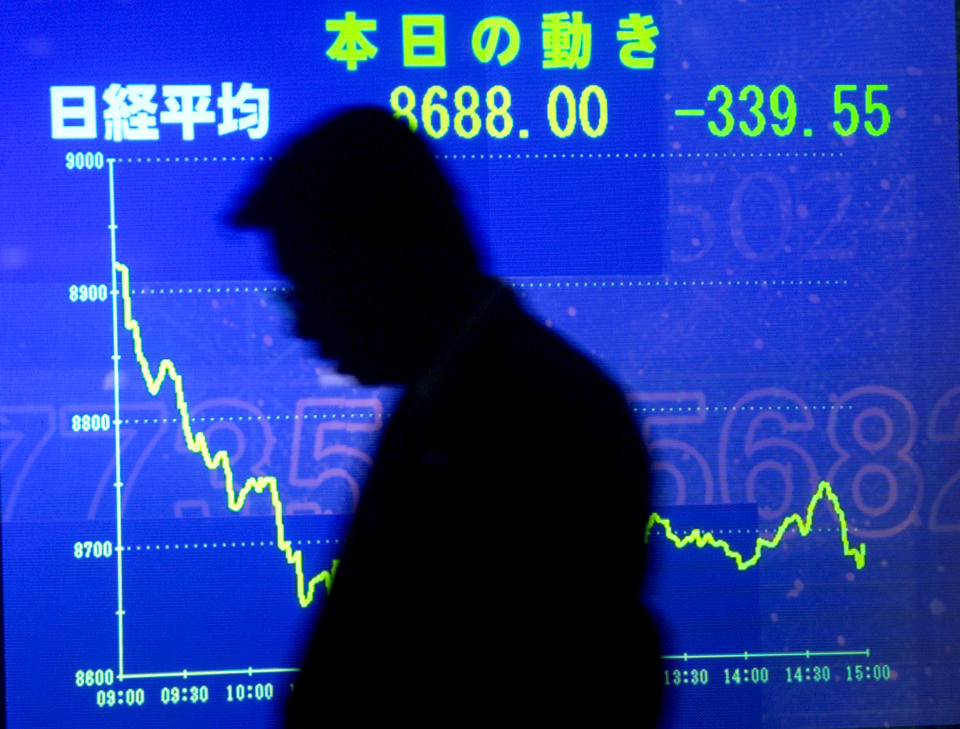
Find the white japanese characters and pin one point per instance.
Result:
(133, 112)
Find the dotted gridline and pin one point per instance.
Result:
(512, 156)
(223, 545)
(366, 417)
(369, 417)
(619, 284)
(247, 544)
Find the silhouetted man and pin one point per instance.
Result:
(493, 566)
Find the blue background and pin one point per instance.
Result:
(778, 311)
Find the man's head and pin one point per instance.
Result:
(367, 229)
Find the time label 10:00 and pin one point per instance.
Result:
(748, 114)
(566, 111)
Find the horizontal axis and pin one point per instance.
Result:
(747, 655)
(185, 674)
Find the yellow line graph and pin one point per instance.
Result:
(306, 589)
(197, 443)
(804, 525)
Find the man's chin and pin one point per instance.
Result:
(347, 371)
(370, 375)
(350, 373)
(334, 378)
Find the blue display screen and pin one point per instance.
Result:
(746, 213)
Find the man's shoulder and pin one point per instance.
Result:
(509, 362)
(530, 349)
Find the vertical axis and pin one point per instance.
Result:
(118, 483)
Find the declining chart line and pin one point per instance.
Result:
(197, 443)
(306, 588)
(804, 526)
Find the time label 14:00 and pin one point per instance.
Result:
(747, 111)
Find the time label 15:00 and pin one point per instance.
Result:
(437, 111)
(749, 110)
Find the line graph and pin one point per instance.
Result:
(197, 443)
(154, 378)
(306, 588)
(804, 526)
